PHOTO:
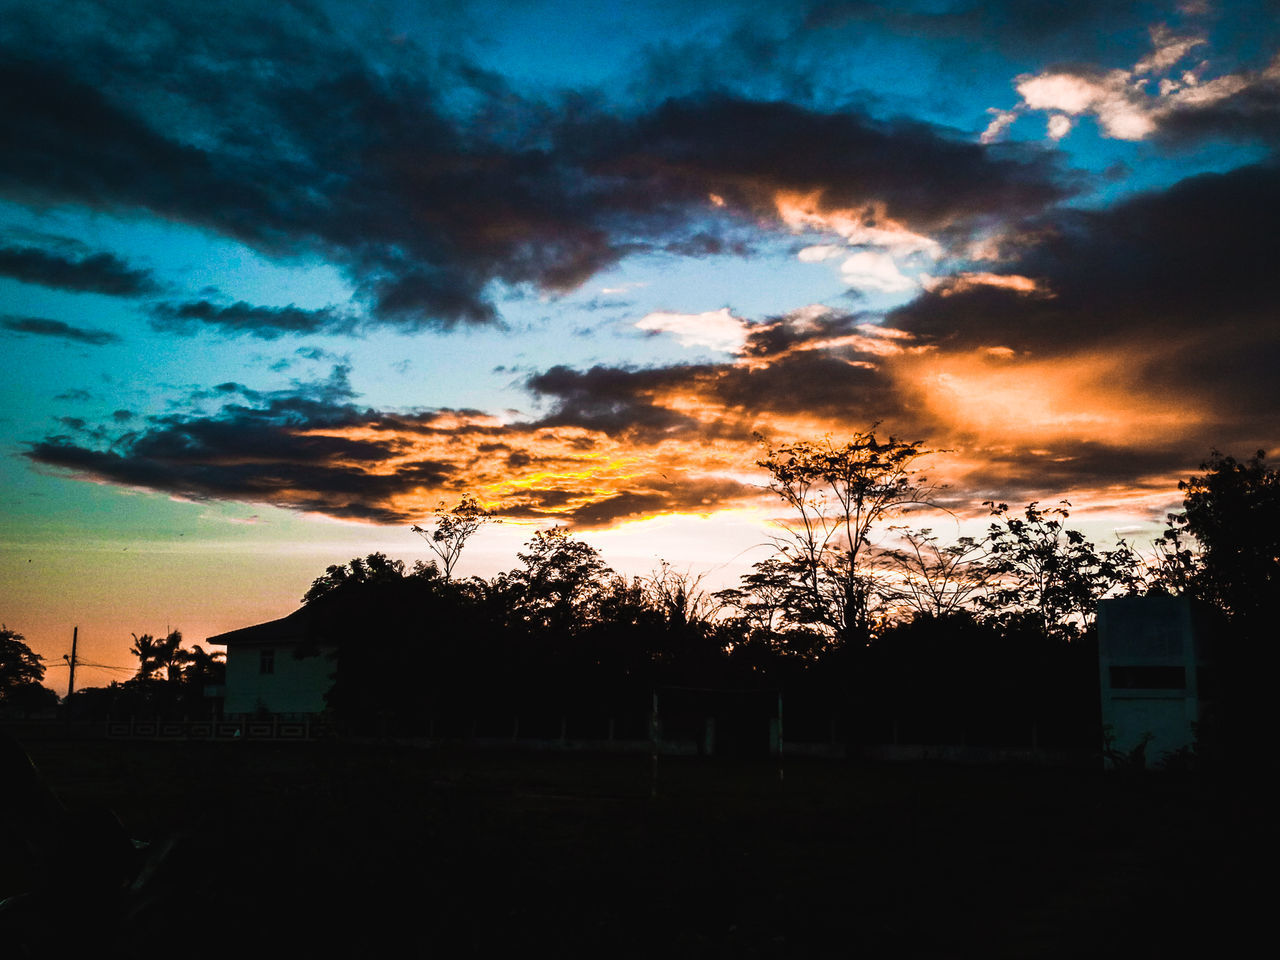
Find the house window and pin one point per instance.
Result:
(1148, 678)
(266, 661)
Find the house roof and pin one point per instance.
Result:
(297, 627)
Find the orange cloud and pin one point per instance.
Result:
(993, 394)
(868, 226)
(961, 282)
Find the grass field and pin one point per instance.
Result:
(340, 849)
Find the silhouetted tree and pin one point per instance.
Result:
(838, 494)
(200, 666)
(561, 584)
(680, 598)
(21, 673)
(960, 679)
(170, 681)
(691, 638)
(1175, 564)
(375, 568)
(1233, 512)
(937, 579)
(453, 528)
(774, 613)
(763, 596)
(157, 654)
(1036, 564)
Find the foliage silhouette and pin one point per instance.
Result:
(561, 585)
(938, 580)
(838, 493)
(1233, 512)
(1037, 564)
(981, 640)
(453, 528)
(156, 654)
(375, 568)
(21, 673)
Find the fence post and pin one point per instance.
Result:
(780, 739)
(653, 749)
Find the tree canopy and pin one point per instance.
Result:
(1036, 564)
(21, 673)
(838, 492)
(851, 607)
(454, 526)
(1233, 512)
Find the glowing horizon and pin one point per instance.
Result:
(269, 299)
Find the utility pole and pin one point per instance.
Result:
(71, 660)
(781, 764)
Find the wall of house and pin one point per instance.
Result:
(1149, 663)
(294, 685)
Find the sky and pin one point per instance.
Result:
(277, 279)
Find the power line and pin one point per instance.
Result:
(50, 664)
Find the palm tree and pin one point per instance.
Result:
(200, 666)
(144, 648)
(156, 655)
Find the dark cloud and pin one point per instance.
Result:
(94, 273)
(426, 180)
(705, 244)
(1172, 292)
(638, 497)
(287, 449)
(333, 491)
(547, 501)
(1252, 115)
(265, 323)
(746, 151)
(683, 495)
(42, 327)
(613, 400)
(317, 353)
(603, 512)
(643, 403)
(1104, 473)
(1192, 258)
(820, 383)
(292, 450)
(311, 448)
(778, 335)
(1045, 27)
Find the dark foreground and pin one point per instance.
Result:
(344, 850)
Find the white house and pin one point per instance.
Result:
(1151, 657)
(265, 674)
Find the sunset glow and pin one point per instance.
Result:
(271, 297)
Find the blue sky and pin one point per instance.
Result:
(277, 279)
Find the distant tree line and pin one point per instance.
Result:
(171, 682)
(872, 629)
(983, 639)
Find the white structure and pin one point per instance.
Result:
(1151, 661)
(265, 675)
